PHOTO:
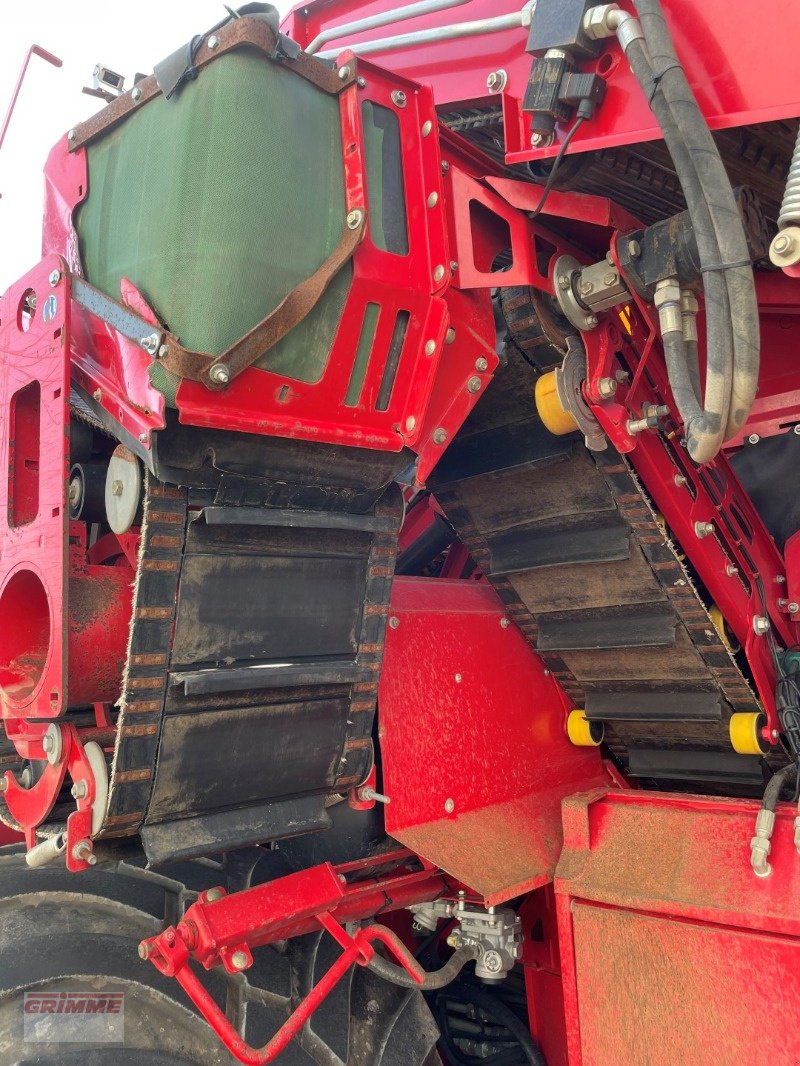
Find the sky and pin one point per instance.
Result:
(124, 37)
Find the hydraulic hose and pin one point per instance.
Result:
(505, 1016)
(761, 843)
(734, 265)
(433, 980)
(705, 423)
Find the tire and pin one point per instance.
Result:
(62, 932)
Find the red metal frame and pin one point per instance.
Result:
(671, 948)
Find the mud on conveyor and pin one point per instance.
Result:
(574, 549)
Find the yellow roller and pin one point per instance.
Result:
(582, 732)
(549, 406)
(745, 732)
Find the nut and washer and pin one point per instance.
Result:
(703, 529)
(439, 435)
(343, 73)
(355, 218)
(607, 387)
(474, 384)
(213, 42)
(150, 343)
(481, 364)
(496, 81)
(761, 625)
(399, 97)
(219, 374)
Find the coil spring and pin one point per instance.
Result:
(790, 206)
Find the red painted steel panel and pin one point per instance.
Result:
(672, 950)
(468, 714)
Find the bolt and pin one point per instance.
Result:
(116, 487)
(610, 278)
(622, 376)
(564, 281)
(430, 347)
(410, 424)
(450, 336)
(753, 438)
(97, 395)
(586, 287)
(504, 623)
(427, 126)
(239, 960)
(361, 82)
(541, 140)
(780, 579)
(48, 742)
(453, 266)
(72, 136)
(55, 277)
(163, 351)
(703, 529)
(25, 778)
(481, 364)
(797, 429)
(794, 607)
(82, 852)
(394, 622)
(144, 951)
(731, 570)
(449, 805)
(433, 199)
(79, 790)
(496, 81)
(219, 374)
(439, 435)
(774, 734)
(445, 166)
(680, 480)
(150, 343)
(136, 93)
(782, 243)
(606, 387)
(457, 678)
(474, 385)
(369, 794)
(214, 894)
(344, 73)
(213, 42)
(760, 625)
(438, 273)
(590, 321)
(354, 218)
(399, 98)
(74, 492)
(143, 438)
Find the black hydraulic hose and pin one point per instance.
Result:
(734, 265)
(492, 1005)
(705, 423)
(776, 782)
(434, 980)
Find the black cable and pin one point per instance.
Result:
(562, 151)
(505, 1016)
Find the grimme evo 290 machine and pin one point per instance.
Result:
(400, 554)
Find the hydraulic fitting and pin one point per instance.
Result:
(760, 845)
(668, 303)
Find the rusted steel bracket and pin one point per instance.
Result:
(221, 929)
(238, 33)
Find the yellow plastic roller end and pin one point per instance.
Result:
(582, 732)
(548, 404)
(745, 732)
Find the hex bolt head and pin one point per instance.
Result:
(761, 625)
(564, 281)
(703, 529)
(55, 277)
(610, 278)
(213, 42)
(445, 166)
(449, 805)
(354, 218)
(48, 742)
(144, 951)
(586, 288)
(607, 387)
(79, 790)
(474, 384)
(239, 960)
(793, 607)
(481, 364)
(439, 435)
(343, 73)
(496, 81)
(150, 343)
(680, 480)
(136, 93)
(590, 321)
(797, 429)
(219, 374)
(399, 98)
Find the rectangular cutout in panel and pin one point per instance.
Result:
(392, 360)
(365, 342)
(385, 193)
(23, 453)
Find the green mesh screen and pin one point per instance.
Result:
(217, 203)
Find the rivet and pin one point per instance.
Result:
(55, 277)
(214, 894)
(438, 273)
(344, 73)
(213, 42)
(474, 385)
(458, 678)
(136, 93)
(72, 136)
(239, 960)
(481, 364)
(439, 435)
(504, 623)
(430, 347)
(427, 126)
(361, 82)
(449, 805)
(143, 438)
(433, 199)
(450, 336)
(410, 424)
(394, 622)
